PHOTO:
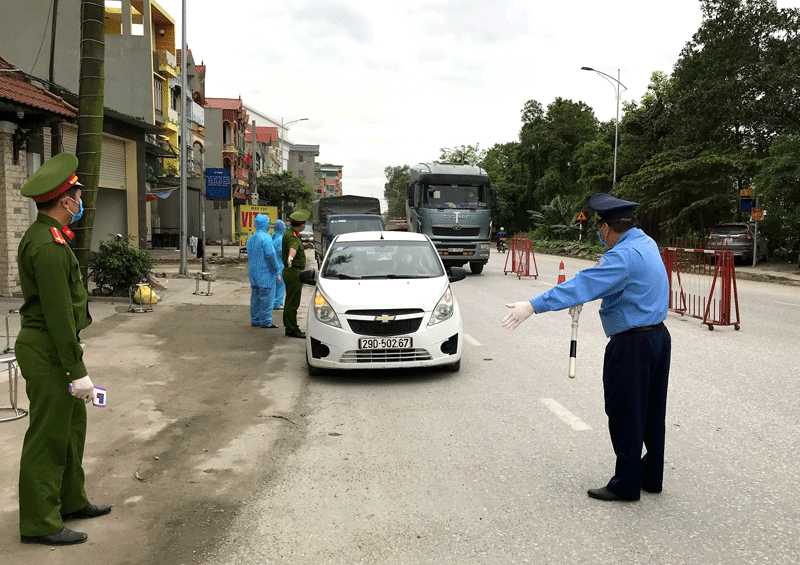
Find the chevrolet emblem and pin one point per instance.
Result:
(385, 319)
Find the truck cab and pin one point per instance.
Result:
(451, 203)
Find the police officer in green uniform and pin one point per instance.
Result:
(51, 479)
(294, 259)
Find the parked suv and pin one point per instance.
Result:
(738, 238)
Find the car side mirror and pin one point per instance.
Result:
(456, 274)
(309, 277)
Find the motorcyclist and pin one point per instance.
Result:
(501, 238)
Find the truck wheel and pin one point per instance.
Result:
(476, 267)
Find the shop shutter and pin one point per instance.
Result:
(112, 159)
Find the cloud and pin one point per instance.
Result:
(326, 19)
(474, 21)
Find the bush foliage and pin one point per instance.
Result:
(119, 266)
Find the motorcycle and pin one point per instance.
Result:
(501, 245)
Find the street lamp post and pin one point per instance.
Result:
(616, 87)
(283, 130)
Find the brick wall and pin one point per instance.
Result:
(14, 216)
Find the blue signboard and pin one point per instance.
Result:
(218, 184)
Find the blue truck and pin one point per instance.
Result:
(342, 214)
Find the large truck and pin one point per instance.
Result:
(342, 214)
(452, 204)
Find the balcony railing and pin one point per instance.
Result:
(165, 57)
(173, 116)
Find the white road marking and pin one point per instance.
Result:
(787, 304)
(566, 416)
(547, 283)
(471, 340)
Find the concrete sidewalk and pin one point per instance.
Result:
(197, 397)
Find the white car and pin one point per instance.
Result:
(382, 300)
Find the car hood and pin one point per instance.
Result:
(371, 294)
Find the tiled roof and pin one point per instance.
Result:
(224, 103)
(15, 86)
(264, 134)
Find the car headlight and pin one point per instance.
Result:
(484, 246)
(323, 311)
(444, 309)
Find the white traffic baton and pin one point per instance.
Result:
(575, 312)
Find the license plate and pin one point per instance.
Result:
(456, 250)
(384, 343)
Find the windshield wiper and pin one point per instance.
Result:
(343, 276)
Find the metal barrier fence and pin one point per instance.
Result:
(520, 255)
(702, 283)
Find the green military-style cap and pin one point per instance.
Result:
(55, 177)
(300, 216)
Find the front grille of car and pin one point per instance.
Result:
(456, 231)
(397, 312)
(376, 328)
(385, 355)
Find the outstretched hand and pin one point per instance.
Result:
(521, 312)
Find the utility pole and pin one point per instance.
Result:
(184, 270)
(253, 186)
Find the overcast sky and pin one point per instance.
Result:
(389, 83)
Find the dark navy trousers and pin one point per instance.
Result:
(635, 375)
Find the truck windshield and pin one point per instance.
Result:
(350, 225)
(382, 260)
(455, 196)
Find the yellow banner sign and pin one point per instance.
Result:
(247, 214)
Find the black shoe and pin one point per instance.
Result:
(64, 536)
(88, 511)
(296, 333)
(651, 490)
(605, 494)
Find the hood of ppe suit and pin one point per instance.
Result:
(278, 229)
(262, 223)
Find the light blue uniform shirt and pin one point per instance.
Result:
(631, 280)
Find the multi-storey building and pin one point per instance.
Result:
(225, 126)
(330, 180)
(302, 162)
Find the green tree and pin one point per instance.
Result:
(285, 191)
(777, 188)
(505, 169)
(464, 154)
(549, 143)
(395, 190)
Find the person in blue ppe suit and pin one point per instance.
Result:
(277, 240)
(264, 273)
(633, 284)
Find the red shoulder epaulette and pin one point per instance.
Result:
(68, 232)
(57, 236)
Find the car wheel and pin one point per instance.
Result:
(454, 367)
(476, 267)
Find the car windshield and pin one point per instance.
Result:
(455, 196)
(382, 260)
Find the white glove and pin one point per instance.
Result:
(83, 388)
(279, 279)
(521, 312)
(289, 260)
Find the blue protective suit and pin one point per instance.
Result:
(264, 270)
(277, 240)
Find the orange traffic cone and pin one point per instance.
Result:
(561, 276)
